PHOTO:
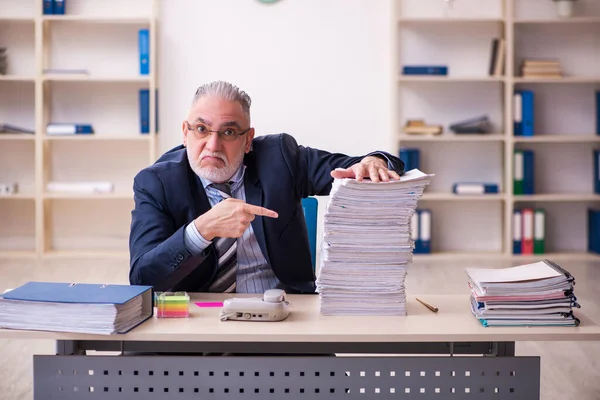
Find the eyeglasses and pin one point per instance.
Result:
(202, 131)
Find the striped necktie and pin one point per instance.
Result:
(224, 282)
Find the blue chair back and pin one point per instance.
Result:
(310, 207)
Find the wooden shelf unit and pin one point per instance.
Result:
(44, 147)
(508, 23)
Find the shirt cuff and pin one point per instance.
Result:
(194, 241)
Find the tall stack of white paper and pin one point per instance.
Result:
(367, 245)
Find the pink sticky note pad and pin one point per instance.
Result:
(210, 304)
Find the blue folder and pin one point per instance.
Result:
(80, 293)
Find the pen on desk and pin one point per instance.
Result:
(432, 308)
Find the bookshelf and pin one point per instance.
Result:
(459, 34)
(42, 224)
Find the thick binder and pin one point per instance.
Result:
(517, 231)
(144, 50)
(64, 307)
(539, 231)
(59, 7)
(425, 70)
(48, 7)
(518, 172)
(597, 171)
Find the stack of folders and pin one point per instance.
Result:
(76, 307)
(537, 294)
(366, 245)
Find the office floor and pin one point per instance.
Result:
(569, 370)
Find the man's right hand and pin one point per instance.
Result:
(229, 218)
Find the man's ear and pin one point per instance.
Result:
(249, 137)
(185, 132)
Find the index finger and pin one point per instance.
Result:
(257, 210)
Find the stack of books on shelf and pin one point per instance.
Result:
(419, 127)
(537, 294)
(534, 68)
(366, 245)
(529, 231)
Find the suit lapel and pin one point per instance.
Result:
(254, 195)
(201, 203)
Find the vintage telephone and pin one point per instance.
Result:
(272, 307)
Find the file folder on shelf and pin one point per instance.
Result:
(67, 307)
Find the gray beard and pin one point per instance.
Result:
(213, 174)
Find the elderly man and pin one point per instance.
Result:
(222, 212)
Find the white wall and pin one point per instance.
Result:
(317, 69)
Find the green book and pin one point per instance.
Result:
(518, 172)
(539, 231)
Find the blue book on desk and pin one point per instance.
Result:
(66, 307)
(425, 70)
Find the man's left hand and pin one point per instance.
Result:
(370, 167)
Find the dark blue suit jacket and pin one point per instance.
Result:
(279, 173)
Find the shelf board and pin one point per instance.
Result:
(17, 196)
(448, 20)
(459, 255)
(446, 78)
(564, 79)
(91, 253)
(92, 78)
(102, 137)
(572, 20)
(575, 255)
(17, 78)
(451, 137)
(97, 19)
(17, 136)
(517, 258)
(463, 197)
(18, 254)
(561, 197)
(84, 196)
(17, 19)
(557, 139)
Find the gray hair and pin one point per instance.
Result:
(226, 91)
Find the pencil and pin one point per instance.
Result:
(432, 308)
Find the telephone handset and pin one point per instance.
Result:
(271, 307)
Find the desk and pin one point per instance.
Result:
(422, 355)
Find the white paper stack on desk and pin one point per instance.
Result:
(366, 245)
(536, 294)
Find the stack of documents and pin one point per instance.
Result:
(75, 307)
(367, 245)
(537, 294)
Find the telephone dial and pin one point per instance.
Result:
(271, 307)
